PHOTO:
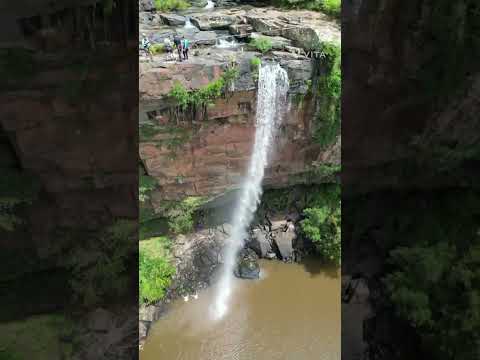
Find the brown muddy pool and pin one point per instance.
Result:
(291, 313)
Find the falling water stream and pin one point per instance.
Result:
(291, 313)
(210, 5)
(271, 100)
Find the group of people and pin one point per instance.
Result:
(181, 44)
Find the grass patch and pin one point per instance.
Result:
(157, 49)
(155, 269)
(262, 44)
(169, 5)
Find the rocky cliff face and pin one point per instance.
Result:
(408, 125)
(402, 84)
(208, 156)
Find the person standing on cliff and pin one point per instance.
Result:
(146, 46)
(178, 43)
(186, 45)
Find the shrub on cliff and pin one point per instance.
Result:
(169, 5)
(329, 92)
(180, 214)
(255, 67)
(189, 102)
(322, 223)
(155, 269)
(262, 44)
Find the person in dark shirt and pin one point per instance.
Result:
(178, 43)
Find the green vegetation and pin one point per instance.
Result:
(330, 7)
(262, 44)
(434, 278)
(322, 223)
(16, 188)
(155, 269)
(329, 85)
(145, 186)
(255, 64)
(170, 5)
(157, 49)
(99, 263)
(180, 214)
(190, 101)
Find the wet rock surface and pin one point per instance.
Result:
(247, 265)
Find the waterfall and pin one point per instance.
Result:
(188, 24)
(271, 100)
(210, 5)
(225, 44)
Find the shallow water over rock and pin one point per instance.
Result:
(291, 312)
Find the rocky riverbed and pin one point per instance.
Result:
(199, 255)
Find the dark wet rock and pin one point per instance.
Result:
(260, 242)
(143, 327)
(173, 19)
(247, 265)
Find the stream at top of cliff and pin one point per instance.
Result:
(291, 313)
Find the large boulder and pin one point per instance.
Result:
(173, 19)
(260, 243)
(146, 5)
(240, 30)
(303, 37)
(264, 25)
(212, 22)
(284, 241)
(247, 265)
(205, 38)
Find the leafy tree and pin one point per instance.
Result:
(434, 281)
(322, 223)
